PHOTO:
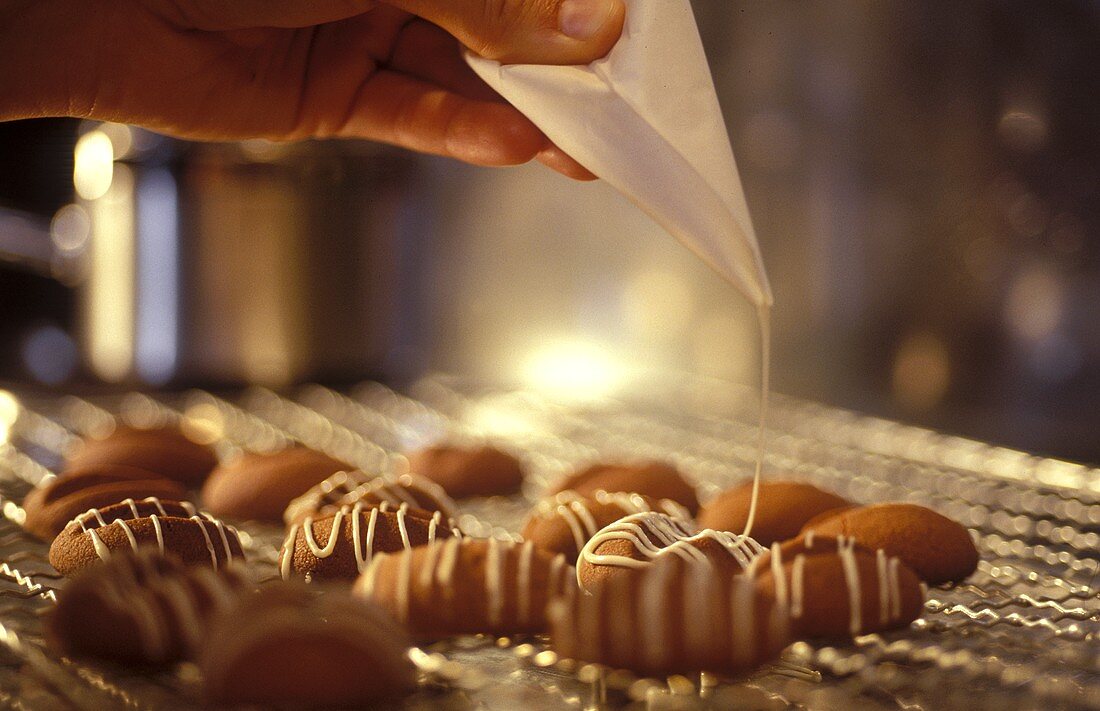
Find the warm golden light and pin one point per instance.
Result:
(122, 138)
(110, 302)
(922, 372)
(9, 413)
(204, 423)
(573, 370)
(657, 304)
(93, 165)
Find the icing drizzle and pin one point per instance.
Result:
(654, 535)
(92, 521)
(576, 510)
(348, 488)
(362, 545)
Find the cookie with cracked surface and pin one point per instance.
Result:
(658, 480)
(141, 608)
(171, 527)
(58, 500)
(467, 586)
(341, 545)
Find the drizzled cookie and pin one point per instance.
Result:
(140, 607)
(638, 540)
(341, 545)
(467, 586)
(677, 615)
(564, 522)
(174, 527)
(936, 548)
(833, 587)
(348, 488)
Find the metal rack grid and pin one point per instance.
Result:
(1023, 632)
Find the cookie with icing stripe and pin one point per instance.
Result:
(836, 588)
(658, 480)
(289, 647)
(257, 486)
(339, 546)
(348, 488)
(782, 508)
(564, 522)
(172, 527)
(166, 451)
(638, 540)
(469, 471)
(467, 585)
(678, 615)
(57, 500)
(141, 608)
(936, 548)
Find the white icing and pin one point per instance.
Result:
(209, 543)
(494, 585)
(846, 551)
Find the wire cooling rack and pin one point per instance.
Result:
(1022, 633)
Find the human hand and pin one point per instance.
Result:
(387, 71)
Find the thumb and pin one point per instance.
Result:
(527, 31)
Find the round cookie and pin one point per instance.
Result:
(639, 540)
(835, 588)
(258, 486)
(463, 472)
(936, 548)
(286, 646)
(173, 527)
(564, 522)
(782, 508)
(58, 500)
(339, 546)
(348, 488)
(140, 608)
(675, 616)
(165, 451)
(467, 585)
(658, 480)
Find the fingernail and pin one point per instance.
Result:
(583, 19)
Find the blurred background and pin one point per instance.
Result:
(924, 180)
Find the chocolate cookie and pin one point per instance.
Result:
(564, 522)
(658, 480)
(258, 486)
(675, 616)
(462, 472)
(638, 540)
(339, 546)
(174, 527)
(936, 548)
(782, 508)
(56, 501)
(286, 646)
(348, 488)
(165, 451)
(141, 608)
(835, 588)
(467, 586)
